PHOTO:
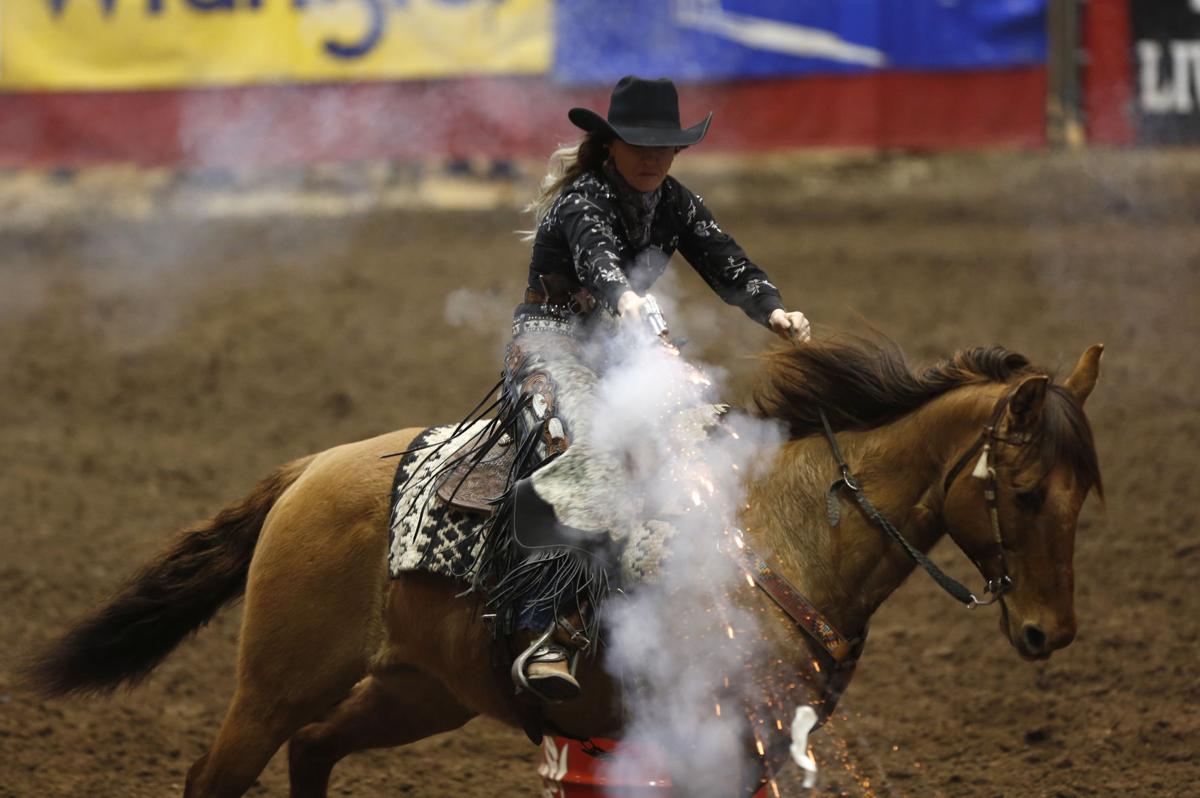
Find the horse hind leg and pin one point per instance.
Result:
(381, 712)
(250, 735)
(266, 710)
(298, 656)
(264, 713)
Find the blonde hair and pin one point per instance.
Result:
(566, 165)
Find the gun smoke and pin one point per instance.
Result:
(679, 641)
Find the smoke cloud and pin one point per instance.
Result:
(483, 312)
(678, 640)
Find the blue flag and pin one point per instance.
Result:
(601, 40)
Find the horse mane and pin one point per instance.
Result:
(862, 384)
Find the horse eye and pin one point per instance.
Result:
(1031, 499)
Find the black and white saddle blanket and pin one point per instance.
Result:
(426, 533)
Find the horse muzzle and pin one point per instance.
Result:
(1036, 640)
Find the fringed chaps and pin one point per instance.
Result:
(557, 532)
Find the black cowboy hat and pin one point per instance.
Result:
(644, 113)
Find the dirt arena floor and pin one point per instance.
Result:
(162, 346)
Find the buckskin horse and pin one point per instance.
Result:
(335, 657)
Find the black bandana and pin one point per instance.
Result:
(636, 207)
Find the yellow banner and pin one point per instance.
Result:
(134, 44)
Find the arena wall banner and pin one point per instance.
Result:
(140, 44)
(1166, 44)
(599, 40)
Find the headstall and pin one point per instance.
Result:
(984, 469)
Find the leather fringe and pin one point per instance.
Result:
(519, 581)
(516, 580)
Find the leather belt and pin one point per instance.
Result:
(544, 323)
(580, 302)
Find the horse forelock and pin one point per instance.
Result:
(1064, 437)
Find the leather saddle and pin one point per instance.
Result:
(476, 486)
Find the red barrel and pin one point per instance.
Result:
(568, 770)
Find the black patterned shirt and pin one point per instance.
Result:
(583, 241)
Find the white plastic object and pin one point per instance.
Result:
(802, 724)
(981, 467)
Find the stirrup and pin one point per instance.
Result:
(552, 687)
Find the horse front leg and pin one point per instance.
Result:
(383, 711)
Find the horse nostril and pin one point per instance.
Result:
(1035, 638)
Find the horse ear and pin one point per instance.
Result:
(1087, 371)
(1025, 408)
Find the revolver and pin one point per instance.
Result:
(654, 316)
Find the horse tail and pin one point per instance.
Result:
(170, 598)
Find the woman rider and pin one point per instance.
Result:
(608, 223)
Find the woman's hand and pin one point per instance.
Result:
(629, 306)
(792, 326)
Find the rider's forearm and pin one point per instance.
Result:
(760, 306)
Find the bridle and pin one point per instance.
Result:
(996, 585)
(809, 619)
(984, 469)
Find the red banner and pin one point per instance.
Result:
(507, 117)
